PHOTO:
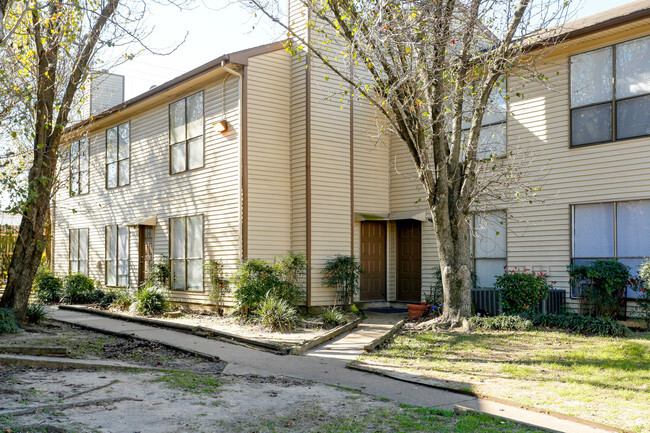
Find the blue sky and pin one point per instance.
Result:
(214, 28)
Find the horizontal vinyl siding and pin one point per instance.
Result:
(330, 177)
(269, 156)
(212, 190)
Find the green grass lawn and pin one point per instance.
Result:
(597, 378)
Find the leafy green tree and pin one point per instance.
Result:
(49, 49)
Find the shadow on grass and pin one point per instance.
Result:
(545, 356)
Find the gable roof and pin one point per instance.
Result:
(238, 58)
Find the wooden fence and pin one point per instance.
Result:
(8, 235)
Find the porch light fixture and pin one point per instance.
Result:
(221, 126)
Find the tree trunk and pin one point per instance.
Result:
(31, 238)
(455, 270)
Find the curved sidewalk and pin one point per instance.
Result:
(325, 364)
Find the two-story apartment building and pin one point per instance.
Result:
(250, 156)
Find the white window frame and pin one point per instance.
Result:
(183, 258)
(118, 162)
(76, 169)
(186, 142)
(476, 259)
(116, 260)
(78, 260)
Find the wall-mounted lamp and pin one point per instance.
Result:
(221, 126)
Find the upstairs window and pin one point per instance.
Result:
(610, 93)
(118, 156)
(117, 256)
(79, 162)
(78, 251)
(187, 253)
(186, 133)
(492, 140)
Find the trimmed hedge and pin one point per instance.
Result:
(587, 325)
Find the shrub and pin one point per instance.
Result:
(343, 273)
(104, 298)
(521, 292)
(159, 272)
(35, 313)
(8, 321)
(78, 289)
(123, 298)
(602, 284)
(291, 270)
(218, 283)
(150, 299)
(333, 317)
(643, 301)
(577, 323)
(255, 279)
(48, 288)
(502, 323)
(276, 314)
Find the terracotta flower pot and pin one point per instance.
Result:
(416, 310)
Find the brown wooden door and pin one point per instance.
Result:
(145, 252)
(409, 260)
(373, 261)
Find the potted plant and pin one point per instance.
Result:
(417, 310)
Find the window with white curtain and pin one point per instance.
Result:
(488, 245)
(118, 156)
(79, 167)
(186, 133)
(619, 230)
(117, 256)
(187, 253)
(78, 251)
(492, 140)
(610, 93)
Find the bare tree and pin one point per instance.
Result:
(432, 69)
(49, 49)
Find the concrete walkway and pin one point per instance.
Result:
(325, 364)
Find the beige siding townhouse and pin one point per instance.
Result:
(253, 155)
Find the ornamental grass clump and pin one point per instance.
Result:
(521, 291)
(333, 316)
(276, 314)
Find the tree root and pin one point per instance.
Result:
(113, 382)
(58, 407)
(443, 323)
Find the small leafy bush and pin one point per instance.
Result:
(8, 321)
(333, 316)
(218, 283)
(159, 272)
(35, 313)
(602, 284)
(502, 323)
(78, 288)
(276, 314)
(150, 299)
(255, 279)
(343, 274)
(48, 288)
(522, 291)
(580, 324)
(643, 301)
